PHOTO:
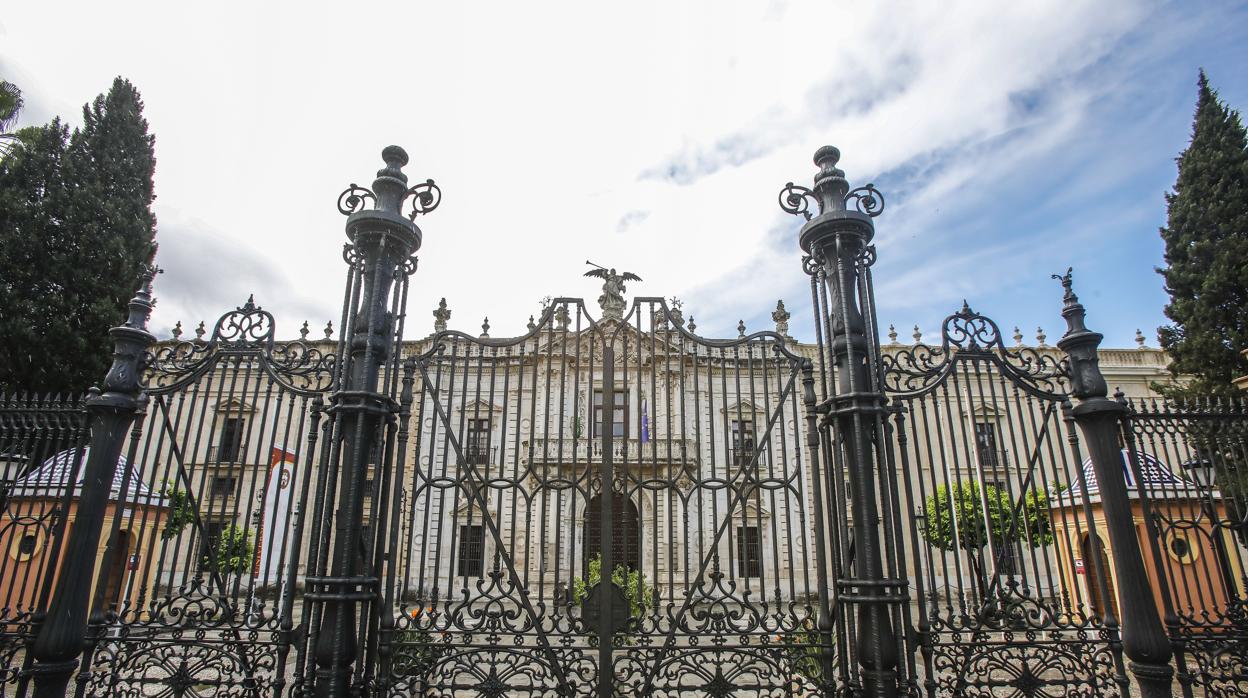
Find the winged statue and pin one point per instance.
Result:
(612, 298)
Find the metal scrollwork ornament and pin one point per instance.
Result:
(866, 200)
(425, 197)
(796, 200)
(352, 200)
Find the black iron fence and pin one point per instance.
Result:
(612, 504)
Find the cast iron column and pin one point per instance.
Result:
(837, 240)
(382, 241)
(1144, 640)
(112, 412)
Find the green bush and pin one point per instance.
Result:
(181, 512)
(801, 647)
(416, 651)
(233, 552)
(632, 582)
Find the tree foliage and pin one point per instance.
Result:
(75, 228)
(956, 517)
(233, 552)
(636, 590)
(1206, 255)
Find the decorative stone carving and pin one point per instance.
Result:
(440, 315)
(1139, 339)
(485, 329)
(892, 335)
(612, 299)
(1018, 337)
(303, 331)
(918, 336)
(676, 312)
(781, 317)
(177, 330)
(1040, 337)
(329, 330)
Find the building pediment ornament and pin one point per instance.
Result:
(984, 412)
(480, 407)
(745, 408)
(235, 406)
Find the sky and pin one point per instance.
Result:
(1011, 141)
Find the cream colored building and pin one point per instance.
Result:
(239, 435)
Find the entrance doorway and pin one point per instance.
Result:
(625, 531)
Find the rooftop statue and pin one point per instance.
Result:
(612, 299)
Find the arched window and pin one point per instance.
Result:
(625, 531)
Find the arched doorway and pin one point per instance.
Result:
(113, 584)
(625, 531)
(1096, 564)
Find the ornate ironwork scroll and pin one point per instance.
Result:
(997, 527)
(600, 468)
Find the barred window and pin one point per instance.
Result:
(231, 445)
(471, 551)
(476, 446)
(742, 441)
(749, 552)
(986, 444)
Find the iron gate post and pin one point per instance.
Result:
(111, 412)
(838, 239)
(1144, 640)
(382, 242)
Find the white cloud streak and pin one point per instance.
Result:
(649, 136)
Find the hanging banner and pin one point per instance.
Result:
(275, 516)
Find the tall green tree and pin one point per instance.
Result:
(1206, 238)
(75, 228)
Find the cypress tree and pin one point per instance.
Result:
(1206, 255)
(75, 227)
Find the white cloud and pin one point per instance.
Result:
(648, 136)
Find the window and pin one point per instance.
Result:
(749, 552)
(30, 543)
(477, 445)
(619, 417)
(471, 551)
(231, 446)
(742, 441)
(986, 444)
(224, 485)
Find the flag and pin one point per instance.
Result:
(645, 422)
(275, 516)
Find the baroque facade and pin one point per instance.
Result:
(504, 451)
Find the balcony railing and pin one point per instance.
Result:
(589, 450)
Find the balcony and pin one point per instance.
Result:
(586, 450)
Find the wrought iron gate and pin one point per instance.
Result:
(1012, 596)
(610, 506)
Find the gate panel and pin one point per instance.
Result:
(195, 592)
(1005, 543)
(1187, 475)
(606, 506)
(34, 430)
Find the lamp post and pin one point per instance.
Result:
(837, 242)
(381, 242)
